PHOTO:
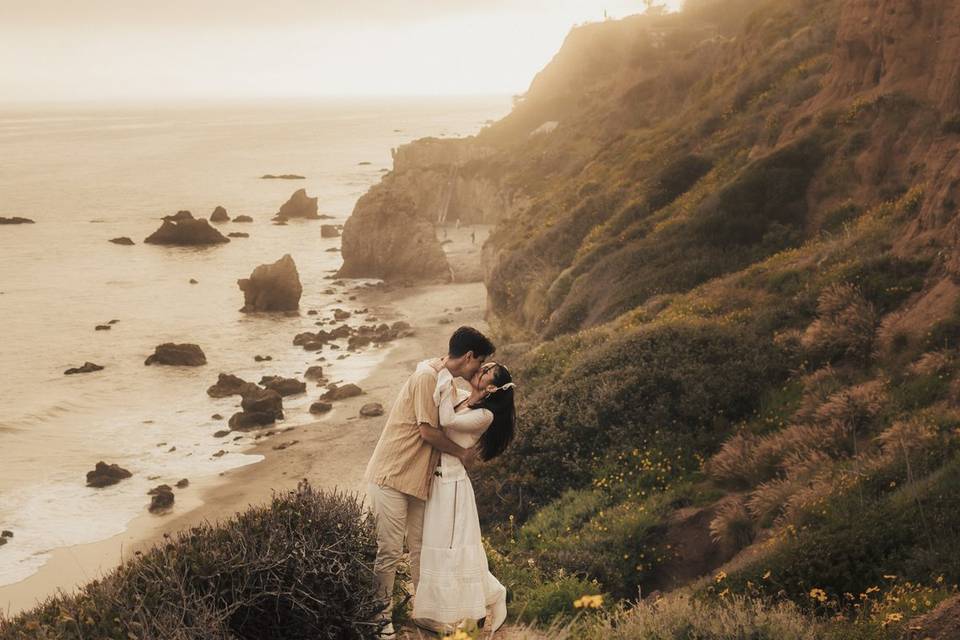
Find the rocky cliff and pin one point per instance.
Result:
(640, 129)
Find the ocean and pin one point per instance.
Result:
(87, 174)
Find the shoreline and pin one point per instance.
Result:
(331, 452)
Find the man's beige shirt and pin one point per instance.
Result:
(402, 460)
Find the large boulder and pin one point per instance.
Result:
(219, 215)
(230, 385)
(386, 238)
(300, 205)
(261, 407)
(186, 231)
(263, 401)
(272, 287)
(179, 355)
(104, 475)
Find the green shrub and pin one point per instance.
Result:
(553, 601)
(665, 386)
(770, 190)
(676, 178)
(300, 567)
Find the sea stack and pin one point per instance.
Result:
(184, 230)
(300, 205)
(272, 287)
(219, 215)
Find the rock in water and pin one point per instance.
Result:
(329, 231)
(385, 238)
(243, 219)
(320, 407)
(261, 407)
(229, 385)
(300, 205)
(283, 386)
(104, 475)
(16, 220)
(272, 287)
(181, 355)
(124, 240)
(219, 215)
(162, 498)
(284, 176)
(371, 410)
(238, 234)
(182, 483)
(186, 232)
(87, 367)
(263, 400)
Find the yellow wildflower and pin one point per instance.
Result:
(818, 594)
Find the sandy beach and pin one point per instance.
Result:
(330, 452)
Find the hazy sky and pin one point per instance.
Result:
(111, 50)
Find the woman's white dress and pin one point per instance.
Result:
(455, 580)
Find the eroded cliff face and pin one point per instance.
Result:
(387, 238)
(391, 233)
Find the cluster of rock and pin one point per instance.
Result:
(272, 287)
(261, 404)
(178, 355)
(183, 229)
(356, 337)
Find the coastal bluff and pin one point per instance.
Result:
(392, 231)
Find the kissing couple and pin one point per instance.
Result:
(418, 488)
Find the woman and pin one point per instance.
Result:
(455, 581)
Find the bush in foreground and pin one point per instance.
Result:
(299, 567)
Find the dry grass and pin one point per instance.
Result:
(732, 526)
(845, 327)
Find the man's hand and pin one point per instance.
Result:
(469, 458)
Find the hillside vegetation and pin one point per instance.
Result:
(726, 243)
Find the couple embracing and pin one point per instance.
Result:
(418, 488)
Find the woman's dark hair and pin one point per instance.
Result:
(467, 339)
(499, 434)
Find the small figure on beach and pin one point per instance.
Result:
(419, 490)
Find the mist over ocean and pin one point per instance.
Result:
(86, 175)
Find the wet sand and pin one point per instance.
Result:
(331, 452)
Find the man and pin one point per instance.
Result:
(401, 469)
